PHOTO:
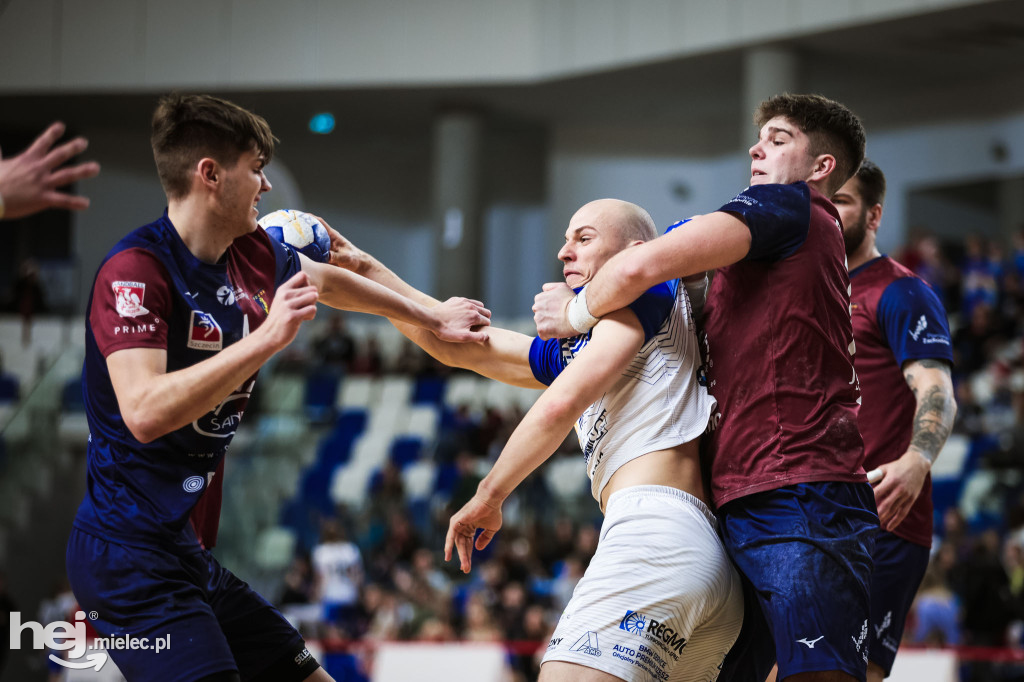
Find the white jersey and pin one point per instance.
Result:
(657, 403)
(339, 567)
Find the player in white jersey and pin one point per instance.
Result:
(660, 600)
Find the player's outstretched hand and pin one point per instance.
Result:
(897, 488)
(344, 253)
(29, 181)
(461, 320)
(462, 528)
(549, 311)
(294, 303)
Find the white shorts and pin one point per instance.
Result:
(660, 599)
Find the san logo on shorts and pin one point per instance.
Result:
(204, 333)
(128, 298)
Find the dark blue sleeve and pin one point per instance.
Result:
(654, 306)
(778, 217)
(546, 359)
(913, 322)
(287, 261)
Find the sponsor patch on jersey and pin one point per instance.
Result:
(128, 297)
(193, 484)
(633, 622)
(261, 298)
(587, 644)
(204, 333)
(226, 295)
(922, 324)
(229, 296)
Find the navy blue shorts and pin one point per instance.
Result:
(215, 621)
(805, 552)
(899, 569)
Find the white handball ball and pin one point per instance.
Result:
(300, 230)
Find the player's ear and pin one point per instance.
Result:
(874, 217)
(208, 171)
(824, 165)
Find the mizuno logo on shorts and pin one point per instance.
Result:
(810, 642)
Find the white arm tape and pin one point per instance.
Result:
(579, 315)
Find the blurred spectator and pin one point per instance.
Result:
(334, 348)
(935, 612)
(387, 617)
(368, 359)
(479, 623)
(985, 594)
(981, 273)
(1010, 454)
(337, 575)
(512, 609)
(468, 477)
(298, 582)
(426, 571)
(933, 268)
(556, 543)
(973, 343)
(387, 493)
(28, 298)
(569, 573)
(397, 547)
(1013, 564)
(435, 630)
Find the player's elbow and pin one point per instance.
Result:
(561, 409)
(634, 274)
(143, 425)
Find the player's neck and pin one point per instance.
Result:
(862, 256)
(199, 229)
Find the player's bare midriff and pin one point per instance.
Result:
(677, 467)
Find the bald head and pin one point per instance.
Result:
(627, 221)
(597, 232)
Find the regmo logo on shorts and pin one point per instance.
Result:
(633, 622)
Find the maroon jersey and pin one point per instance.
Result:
(779, 344)
(896, 318)
(151, 292)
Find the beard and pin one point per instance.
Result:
(854, 234)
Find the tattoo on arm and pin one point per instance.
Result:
(935, 409)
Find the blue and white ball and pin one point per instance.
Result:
(300, 230)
